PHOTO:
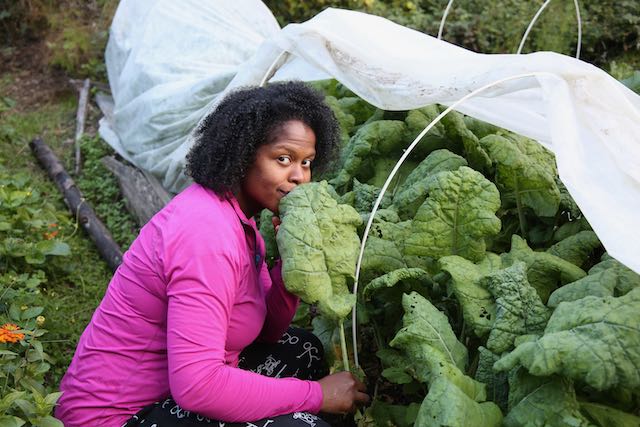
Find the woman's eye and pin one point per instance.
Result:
(284, 159)
(306, 163)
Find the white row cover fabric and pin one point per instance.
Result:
(587, 118)
(167, 61)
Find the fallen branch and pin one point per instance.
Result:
(107, 247)
(81, 116)
(143, 194)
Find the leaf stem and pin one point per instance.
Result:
(343, 345)
(523, 223)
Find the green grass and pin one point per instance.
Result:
(75, 284)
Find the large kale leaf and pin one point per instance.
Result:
(545, 272)
(542, 401)
(456, 217)
(525, 173)
(430, 348)
(319, 246)
(448, 406)
(413, 191)
(595, 340)
(520, 310)
(478, 305)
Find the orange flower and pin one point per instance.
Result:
(51, 235)
(48, 235)
(8, 334)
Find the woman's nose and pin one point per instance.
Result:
(297, 174)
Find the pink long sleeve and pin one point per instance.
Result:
(192, 292)
(198, 322)
(281, 307)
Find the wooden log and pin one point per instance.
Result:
(107, 247)
(81, 116)
(143, 194)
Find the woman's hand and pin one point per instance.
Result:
(341, 392)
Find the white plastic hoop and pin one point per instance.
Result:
(388, 182)
(444, 18)
(537, 15)
(272, 68)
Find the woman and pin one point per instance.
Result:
(193, 290)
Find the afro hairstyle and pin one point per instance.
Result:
(227, 138)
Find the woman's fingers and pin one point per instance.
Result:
(362, 398)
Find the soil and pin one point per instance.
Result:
(33, 83)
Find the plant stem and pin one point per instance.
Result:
(523, 223)
(343, 345)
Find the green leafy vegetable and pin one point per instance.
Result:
(448, 406)
(319, 247)
(519, 311)
(606, 416)
(577, 248)
(456, 217)
(544, 271)
(413, 191)
(542, 401)
(594, 340)
(478, 305)
(525, 173)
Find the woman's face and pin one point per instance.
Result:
(280, 165)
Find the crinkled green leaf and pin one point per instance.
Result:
(413, 191)
(478, 306)
(365, 195)
(425, 323)
(384, 414)
(383, 251)
(577, 248)
(608, 278)
(542, 401)
(430, 347)
(496, 382)
(545, 272)
(448, 406)
(360, 109)
(394, 366)
(345, 120)
(605, 416)
(568, 229)
(425, 363)
(437, 138)
(391, 279)
(525, 173)
(319, 247)
(456, 217)
(625, 278)
(382, 167)
(269, 236)
(594, 340)
(480, 128)
(372, 141)
(519, 309)
(456, 128)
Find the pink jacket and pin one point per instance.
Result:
(192, 292)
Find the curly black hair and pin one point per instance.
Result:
(227, 139)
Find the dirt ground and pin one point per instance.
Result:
(33, 83)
